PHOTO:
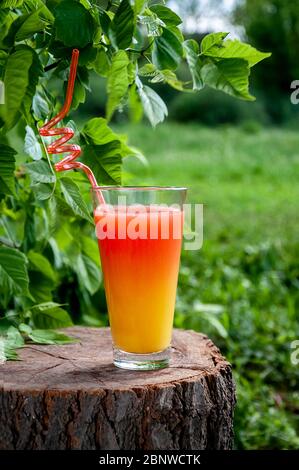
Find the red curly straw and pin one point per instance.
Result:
(60, 146)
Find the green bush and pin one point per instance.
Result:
(273, 25)
(212, 108)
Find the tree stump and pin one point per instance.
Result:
(72, 397)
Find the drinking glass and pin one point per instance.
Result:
(139, 231)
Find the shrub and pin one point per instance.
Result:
(212, 108)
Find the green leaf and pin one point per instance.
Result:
(135, 105)
(117, 82)
(13, 273)
(35, 71)
(153, 24)
(101, 63)
(98, 132)
(167, 51)
(14, 339)
(237, 50)
(29, 238)
(169, 77)
(87, 55)
(211, 41)
(5, 324)
(154, 107)
(147, 70)
(27, 25)
(12, 222)
(215, 323)
(7, 167)
(139, 5)
(11, 3)
(40, 105)
(16, 82)
(79, 94)
(83, 76)
(40, 172)
(105, 21)
(41, 287)
(191, 49)
(23, 328)
(177, 32)
(230, 76)
(36, 22)
(6, 352)
(103, 150)
(50, 337)
(6, 19)
(166, 15)
(164, 76)
(50, 315)
(90, 248)
(42, 191)
(131, 72)
(9, 343)
(80, 87)
(74, 25)
(74, 199)
(122, 26)
(32, 145)
(40, 263)
(89, 274)
(60, 210)
(15, 25)
(3, 57)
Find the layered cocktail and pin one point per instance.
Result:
(139, 232)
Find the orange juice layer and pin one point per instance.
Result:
(140, 276)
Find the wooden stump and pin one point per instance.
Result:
(72, 397)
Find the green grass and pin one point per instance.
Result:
(249, 263)
(236, 175)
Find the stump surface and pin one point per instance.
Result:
(72, 397)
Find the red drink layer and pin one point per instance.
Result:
(140, 260)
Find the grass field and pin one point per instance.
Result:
(248, 268)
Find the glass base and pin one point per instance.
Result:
(132, 361)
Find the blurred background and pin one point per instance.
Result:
(269, 25)
(241, 160)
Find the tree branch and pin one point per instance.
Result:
(52, 66)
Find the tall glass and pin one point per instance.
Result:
(139, 231)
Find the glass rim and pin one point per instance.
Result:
(139, 188)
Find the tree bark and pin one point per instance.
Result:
(72, 397)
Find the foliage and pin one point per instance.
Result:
(274, 25)
(212, 109)
(241, 288)
(45, 216)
